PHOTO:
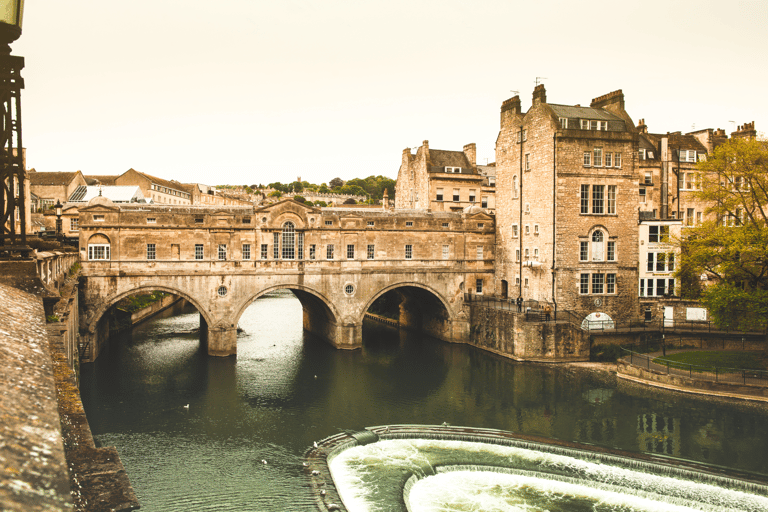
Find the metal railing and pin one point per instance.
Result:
(651, 357)
(536, 311)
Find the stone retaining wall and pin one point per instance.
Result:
(624, 369)
(33, 469)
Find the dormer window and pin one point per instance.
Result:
(564, 123)
(453, 169)
(588, 124)
(687, 155)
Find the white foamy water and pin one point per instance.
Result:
(469, 476)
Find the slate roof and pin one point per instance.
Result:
(615, 123)
(175, 185)
(573, 112)
(51, 178)
(439, 158)
(103, 179)
(676, 141)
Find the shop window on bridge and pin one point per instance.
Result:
(198, 251)
(222, 251)
(264, 253)
(276, 245)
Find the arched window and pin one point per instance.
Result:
(597, 246)
(99, 248)
(289, 241)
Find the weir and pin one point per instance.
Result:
(456, 468)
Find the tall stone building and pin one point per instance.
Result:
(566, 205)
(439, 180)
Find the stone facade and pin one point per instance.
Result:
(337, 262)
(566, 204)
(438, 180)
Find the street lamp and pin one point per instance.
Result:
(58, 219)
(12, 198)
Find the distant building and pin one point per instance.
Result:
(440, 180)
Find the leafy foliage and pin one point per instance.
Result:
(732, 246)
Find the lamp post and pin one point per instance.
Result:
(58, 219)
(12, 198)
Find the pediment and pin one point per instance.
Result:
(288, 210)
(96, 208)
(480, 216)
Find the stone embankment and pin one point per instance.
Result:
(48, 460)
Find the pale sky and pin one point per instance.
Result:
(255, 91)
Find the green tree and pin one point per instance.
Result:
(732, 246)
(323, 189)
(275, 193)
(336, 183)
(297, 187)
(300, 199)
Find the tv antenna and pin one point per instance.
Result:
(516, 92)
(539, 79)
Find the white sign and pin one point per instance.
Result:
(696, 314)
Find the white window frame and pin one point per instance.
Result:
(246, 251)
(329, 251)
(371, 251)
(439, 194)
(350, 251)
(222, 252)
(99, 252)
(479, 252)
(409, 251)
(515, 232)
(597, 158)
(151, 251)
(446, 251)
(199, 251)
(453, 169)
(74, 224)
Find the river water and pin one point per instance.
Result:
(239, 444)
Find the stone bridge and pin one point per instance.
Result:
(336, 261)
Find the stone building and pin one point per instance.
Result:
(566, 204)
(50, 187)
(161, 191)
(440, 180)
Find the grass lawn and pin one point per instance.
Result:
(706, 361)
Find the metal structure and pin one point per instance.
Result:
(12, 174)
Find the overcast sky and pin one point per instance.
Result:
(256, 91)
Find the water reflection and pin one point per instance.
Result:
(286, 389)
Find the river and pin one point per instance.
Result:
(239, 444)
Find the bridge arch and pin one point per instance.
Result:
(293, 287)
(408, 284)
(320, 316)
(104, 306)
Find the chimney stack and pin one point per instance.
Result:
(470, 151)
(539, 94)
